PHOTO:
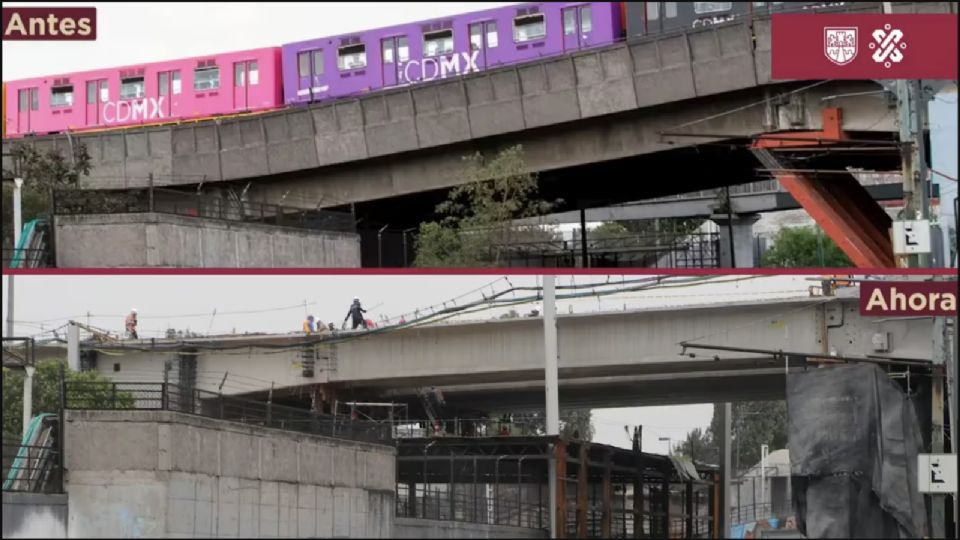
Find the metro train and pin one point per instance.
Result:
(258, 80)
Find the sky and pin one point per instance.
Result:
(133, 32)
(276, 304)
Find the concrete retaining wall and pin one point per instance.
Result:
(34, 515)
(135, 474)
(429, 528)
(165, 240)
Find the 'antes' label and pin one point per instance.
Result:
(49, 23)
(908, 298)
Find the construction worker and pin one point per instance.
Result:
(356, 313)
(131, 324)
(308, 327)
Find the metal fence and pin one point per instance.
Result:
(32, 468)
(182, 203)
(692, 250)
(107, 395)
(471, 504)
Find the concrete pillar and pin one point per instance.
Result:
(73, 346)
(741, 229)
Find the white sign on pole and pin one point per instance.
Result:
(937, 473)
(910, 237)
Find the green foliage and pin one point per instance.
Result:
(754, 423)
(476, 222)
(698, 446)
(804, 247)
(42, 172)
(46, 393)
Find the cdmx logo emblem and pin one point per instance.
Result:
(888, 45)
(840, 44)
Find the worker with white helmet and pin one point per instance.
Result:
(356, 312)
(131, 324)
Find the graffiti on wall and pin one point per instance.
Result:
(429, 69)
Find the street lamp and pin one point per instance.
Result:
(669, 446)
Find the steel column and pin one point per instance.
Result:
(607, 497)
(582, 493)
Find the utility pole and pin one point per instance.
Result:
(912, 104)
(551, 385)
(17, 229)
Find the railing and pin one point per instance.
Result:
(26, 258)
(181, 203)
(755, 512)
(470, 506)
(31, 468)
(691, 250)
(107, 395)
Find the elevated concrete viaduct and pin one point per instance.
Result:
(606, 359)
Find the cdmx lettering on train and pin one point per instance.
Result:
(343, 66)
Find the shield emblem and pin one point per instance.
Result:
(840, 44)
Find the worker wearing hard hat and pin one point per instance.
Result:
(356, 313)
(131, 324)
(308, 327)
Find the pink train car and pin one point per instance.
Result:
(151, 93)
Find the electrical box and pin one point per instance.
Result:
(881, 342)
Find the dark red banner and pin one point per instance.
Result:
(864, 46)
(49, 24)
(884, 298)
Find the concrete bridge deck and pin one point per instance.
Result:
(571, 110)
(606, 359)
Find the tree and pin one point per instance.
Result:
(804, 247)
(477, 225)
(42, 172)
(46, 393)
(699, 446)
(754, 423)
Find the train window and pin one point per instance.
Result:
(34, 99)
(206, 78)
(403, 49)
(653, 11)
(175, 76)
(352, 57)
(529, 28)
(164, 83)
(435, 43)
(586, 19)
(669, 9)
(252, 72)
(131, 88)
(759, 4)
(492, 37)
(318, 62)
(701, 8)
(24, 98)
(61, 96)
(569, 22)
(92, 92)
(238, 74)
(303, 61)
(387, 45)
(476, 36)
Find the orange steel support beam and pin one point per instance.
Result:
(840, 205)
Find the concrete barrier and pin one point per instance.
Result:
(134, 474)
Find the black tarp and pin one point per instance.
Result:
(854, 436)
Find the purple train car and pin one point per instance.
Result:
(440, 48)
